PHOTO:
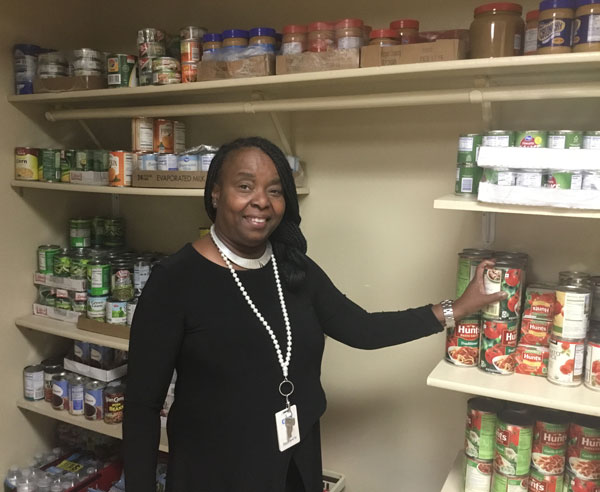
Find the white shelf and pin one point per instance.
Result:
(69, 330)
(520, 388)
(454, 202)
(113, 430)
(455, 480)
(115, 190)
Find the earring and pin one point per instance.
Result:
(214, 204)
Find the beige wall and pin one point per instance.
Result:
(369, 221)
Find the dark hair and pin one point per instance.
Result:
(289, 244)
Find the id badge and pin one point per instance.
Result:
(288, 430)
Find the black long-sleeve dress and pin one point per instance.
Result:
(222, 437)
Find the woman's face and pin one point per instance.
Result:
(249, 201)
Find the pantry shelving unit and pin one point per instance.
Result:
(454, 482)
(466, 82)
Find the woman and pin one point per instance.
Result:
(241, 315)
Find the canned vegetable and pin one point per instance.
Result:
(565, 365)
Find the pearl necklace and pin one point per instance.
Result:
(283, 363)
(248, 263)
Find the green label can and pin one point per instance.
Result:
(514, 436)
(480, 431)
(65, 168)
(467, 148)
(565, 180)
(83, 160)
(96, 307)
(532, 139)
(63, 303)
(62, 263)
(499, 138)
(97, 231)
(122, 70)
(591, 140)
(467, 179)
(499, 176)
(114, 232)
(504, 276)
(100, 160)
(49, 161)
(46, 254)
(80, 233)
(468, 260)
(505, 483)
(98, 276)
(565, 139)
(478, 475)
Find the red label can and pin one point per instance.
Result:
(532, 360)
(190, 50)
(550, 435)
(539, 301)
(189, 72)
(497, 343)
(539, 482)
(583, 450)
(535, 331)
(462, 343)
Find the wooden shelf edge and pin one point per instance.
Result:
(455, 480)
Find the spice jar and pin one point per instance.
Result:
(497, 30)
(211, 42)
(384, 37)
(236, 38)
(349, 34)
(531, 32)
(407, 29)
(555, 26)
(294, 39)
(321, 37)
(263, 38)
(587, 31)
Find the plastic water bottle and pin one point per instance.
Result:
(25, 483)
(55, 487)
(43, 485)
(10, 483)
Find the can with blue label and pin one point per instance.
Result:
(149, 162)
(94, 400)
(167, 162)
(100, 356)
(188, 162)
(60, 391)
(76, 393)
(81, 352)
(555, 26)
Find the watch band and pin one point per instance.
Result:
(448, 311)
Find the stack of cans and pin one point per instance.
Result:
(166, 70)
(88, 63)
(191, 51)
(52, 65)
(122, 70)
(151, 44)
(468, 173)
(26, 59)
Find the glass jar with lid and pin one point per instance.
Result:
(294, 39)
(555, 26)
(497, 30)
(349, 34)
(586, 35)
(531, 32)
(407, 30)
(384, 37)
(321, 36)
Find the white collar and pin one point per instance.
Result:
(248, 263)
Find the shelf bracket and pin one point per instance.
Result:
(115, 204)
(285, 141)
(486, 106)
(488, 228)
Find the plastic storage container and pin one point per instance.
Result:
(497, 30)
(349, 34)
(294, 39)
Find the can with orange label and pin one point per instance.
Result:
(462, 343)
(164, 136)
(120, 168)
(189, 72)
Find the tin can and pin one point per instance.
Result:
(167, 162)
(539, 301)
(96, 307)
(497, 344)
(179, 136)
(94, 400)
(190, 50)
(575, 484)
(467, 148)
(80, 233)
(49, 162)
(62, 263)
(149, 162)
(84, 160)
(531, 139)
(51, 367)
(507, 483)
(467, 180)
(535, 331)
(499, 176)
(97, 231)
(499, 138)
(565, 365)
(480, 431)
(150, 34)
(98, 276)
(65, 167)
(152, 49)
(514, 436)
(583, 449)
(532, 360)
(121, 280)
(76, 394)
(81, 352)
(166, 78)
(122, 70)
(164, 138)
(142, 134)
(116, 312)
(592, 361)
(192, 32)
(114, 403)
(205, 160)
(166, 64)
(79, 262)
(504, 276)
(189, 72)
(550, 435)
(564, 179)
(572, 311)
(100, 356)
(26, 163)
(591, 180)
(468, 260)
(131, 305)
(100, 160)
(60, 391)
(565, 139)
(141, 273)
(545, 483)
(462, 343)
(478, 475)
(63, 303)
(46, 254)
(114, 232)
(529, 178)
(121, 168)
(33, 383)
(591, 140)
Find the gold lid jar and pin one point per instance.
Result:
(497, 30)
(555, 26)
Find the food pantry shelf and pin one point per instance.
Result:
(69, 330)
(454, 202)
(455, 480)
(115, 190)
(113, 430)
(521, 388)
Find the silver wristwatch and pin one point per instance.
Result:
(448, 311)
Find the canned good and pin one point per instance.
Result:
(26, 163)
(131, 305)
(591, 140)
(100, 160)
(165, 63)
(190, 50)
(504, 276)
(189, 72)
(468, 260)
(573, 483)
(167, 162)
(114, 232)
(33, 383)
(572, 276)
(114, 402)
(121, 168)
(98, 276)
(150, 34)
(462, 343)
(122, 70)
(149, 162)
(84, 160)
(592, 361)
(467, 179)
(141, 273)
(51, 367)
(499, 176)
(62, 263)
(96, 307)
(188, 162)
(535, 331)
(79, 262)
(591, 180)
(76, 394)
(60, 391)
(546, 483)
(532, 360)
(565, 139)
(65, 167)
(506, 483)
(531, 139)
(514, 435)
(539, 301)
(97, 231)
(166, 78)
(116, 312)
(100, 356)
(478, 475)
(94, 400)
(178, 137)
(63, 303)
(467, 148)
(192, 32)
(583, 449)
(528, 178)
(499, 138)
(480, 432)
(152, 50)
(142, 132)
(565, 365)
(572, 311)
(80, 232)
(46, 254)
(550, 436)
(49, 162)
(497, 344)
(565, 180)
(164, 138)
(81, 351)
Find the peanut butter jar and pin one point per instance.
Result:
(497, 30)
(555, 26)
(586, 33)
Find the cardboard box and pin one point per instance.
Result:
(440, 50)
(64, 84)
(169, 179)
(119, 331)
(93, 178)
(54, 313)
(105, 375)
(317, 62)
(78, 285)
(254, 66)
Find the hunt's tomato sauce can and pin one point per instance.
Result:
(504, 276)
(462, 343)
(532, 360)
(514, 436)
(539, 301)
(535, 331)
(497, 344)
(565, 365)
(507, 483)
(550, 436)
(575, 484)
(478, 475)
(592, 359)
(583, 449)
(538, 482)
(480, 430)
